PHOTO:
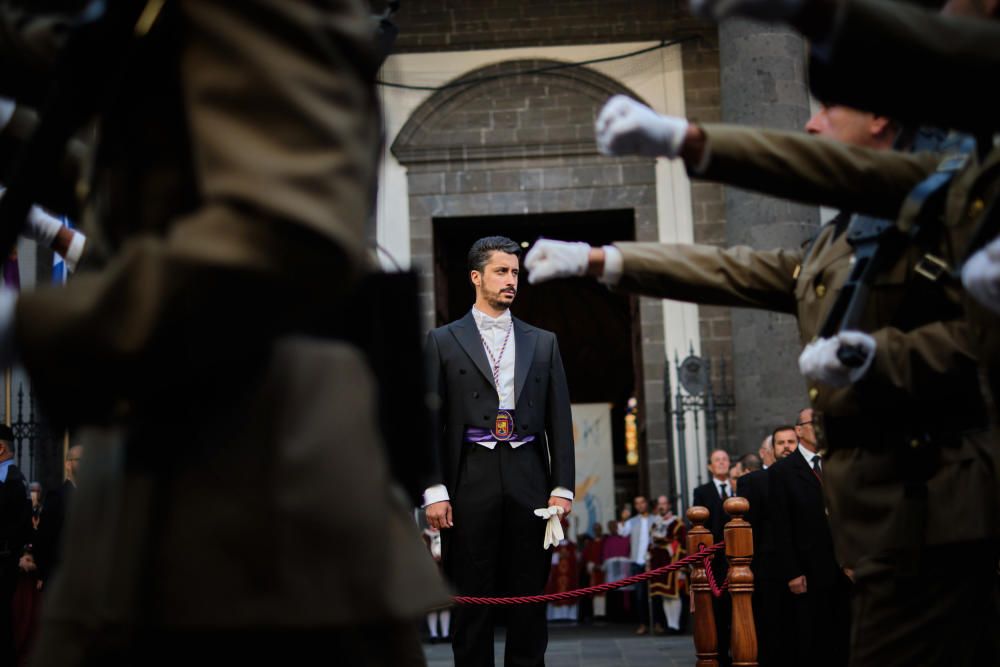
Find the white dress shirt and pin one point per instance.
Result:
(640, 543)
(493, 332)
(808, 456)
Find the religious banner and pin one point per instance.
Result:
(595, 471)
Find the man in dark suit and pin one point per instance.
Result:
(804, 555)
(711, 495)
(48, 543)
(505, 441)
(771, 598)
(15, 526)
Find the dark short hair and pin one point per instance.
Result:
(750, 462)
(775, 432)
(483, 249)
(6, 433)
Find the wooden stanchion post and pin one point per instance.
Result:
(739, 552)
(705, 640)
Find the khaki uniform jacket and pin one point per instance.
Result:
(234, 474)
(929, 68)
(915, 368)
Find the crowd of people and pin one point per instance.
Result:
(31, 524)
(801, 592)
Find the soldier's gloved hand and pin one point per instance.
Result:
(8, 302)
(550, 259)
(627, 127)
(41, 227)
(981, 276)
(765, 10)
(820, 361)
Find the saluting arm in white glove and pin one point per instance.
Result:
(981, 276)
(49, 231)
(550, 259)
(627, 127)
(821, 362)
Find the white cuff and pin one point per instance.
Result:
(435, 494)
(75, 250)
(706, 159)
(561, 492)
(614, 265)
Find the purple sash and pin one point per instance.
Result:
(476, 434)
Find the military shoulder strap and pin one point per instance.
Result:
(878, 243)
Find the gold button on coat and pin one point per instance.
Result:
(813, 393)
(820, 290)
(976, 207)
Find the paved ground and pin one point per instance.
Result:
(608, 645)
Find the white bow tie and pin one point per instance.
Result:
(490, 324)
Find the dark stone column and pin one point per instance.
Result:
(762, 72)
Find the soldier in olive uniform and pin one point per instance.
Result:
(918, 382)
(231, 443)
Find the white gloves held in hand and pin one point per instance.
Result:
(550, 259)
(819, 361)
(766, 10)
(553, 528)
(981, 276)
(627, 127)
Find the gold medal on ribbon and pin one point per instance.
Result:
(503, 428)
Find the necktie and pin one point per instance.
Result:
(817, 467)
(723, 491)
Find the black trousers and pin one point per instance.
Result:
(772, 609)
(722, 608)
(820, 621)
(495, 549)
(944, 615)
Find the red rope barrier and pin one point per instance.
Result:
(716, 589)
(704, 555)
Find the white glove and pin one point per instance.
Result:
(42, 227)
(553, 528)
(981, 276)
(765, 10)
(549, 259)
(627, 127)
(819, 361)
